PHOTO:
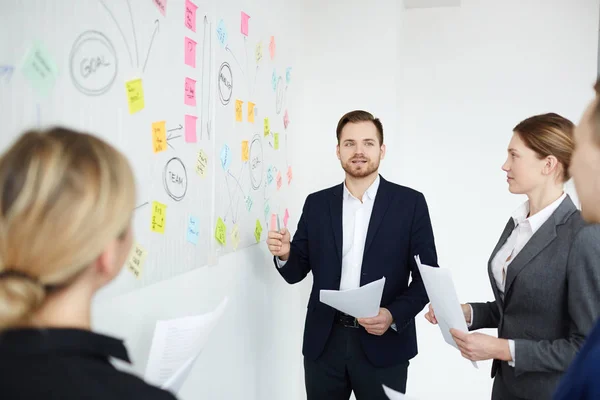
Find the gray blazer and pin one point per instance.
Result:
(551, 301)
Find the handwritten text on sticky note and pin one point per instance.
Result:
(136, 260)
(159, 136)
(258, 52)
(201, 163)
(269, 175)
(239, 112)
(257, 230)
(159, 216)
(193, 230)
(190, 52)
(221, 231)
(245, 151)
(244, 27)
(225, 157)
(40, 69)
(276, 141)
(267, 127)
(135, 95)
(190, 128)
(190, 92)
(249, 203)
(162, 6)
(190, 15)
(222, 32)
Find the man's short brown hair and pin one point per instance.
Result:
(356, 116)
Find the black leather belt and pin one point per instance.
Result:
(346, 320)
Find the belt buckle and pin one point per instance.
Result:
(346, 318)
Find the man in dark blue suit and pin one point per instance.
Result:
(349, 235)
(582, 379)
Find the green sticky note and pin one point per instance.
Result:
(257, 231)
(40, 69)
(221, 231)
(276, 140)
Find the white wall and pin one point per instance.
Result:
(449, 85)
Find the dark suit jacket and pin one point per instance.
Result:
(399, 229)
(551, 300)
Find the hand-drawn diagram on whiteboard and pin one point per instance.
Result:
(252, 122)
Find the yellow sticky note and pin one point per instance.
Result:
(238, 110)
(267, 129)
(159, 136)
(135, 95)
(201, 163)
(235, 236)
(136, 260)
(221, 232)
(159, 216)
(257, 230)
(245, 151)
(276, 141)
(251, 111)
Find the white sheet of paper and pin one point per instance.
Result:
(442, 295)
(394, 395)
(176, 344)
(363, 302)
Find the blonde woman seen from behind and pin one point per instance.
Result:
(66, 202)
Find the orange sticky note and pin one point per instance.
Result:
(238, 111)
(159, 136)
(279, 180)
(221, 232)
(159, 216)
(267, 128)
(251, 111)
(289, 175)
(245, 151)
(272, 47)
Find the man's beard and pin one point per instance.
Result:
(365, 170)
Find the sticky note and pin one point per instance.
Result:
(289, 174)
(276, 141)
(258, 230)
(190, 15)
(159, 136)
(190, 52)
(251, 112)
(274, 80)
(190, 128)
(267, 127)
(288, 75)
(245, 151)
(159, 216)
(244, 27)
(225, 157)
(135, 95)
(162, 6)
(136, 260)
(278, 180)
(40, 69)
(286, 119)
(239, 110)
(193, 230)
(258, 52)
(273, 224)
(221, 232)
(272, 47)
(267, 209)
(269, 175)
(190, 92)
(235, 236)
(222, 32)
(249, 203)
(286, 217)
(201, 163)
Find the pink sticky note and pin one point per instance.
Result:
(190, 128)
(272, 47)
(286, 217)
(245, 18)
(190, 52)
(273, 224)
(162, 6)
(190, 92)
(286, 119)
(279, 180)
(289, 175)
(190, 15)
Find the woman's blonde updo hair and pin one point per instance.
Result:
(64, 196)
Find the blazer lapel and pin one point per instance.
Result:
(383, 199)
(335, 208)
(538, 242)
(510, 226)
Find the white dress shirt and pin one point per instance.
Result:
(525, 228)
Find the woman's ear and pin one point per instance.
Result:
(550, 165)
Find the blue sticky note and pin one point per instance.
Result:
(288, 75)
(225, 157)
(222, 32)
(269, 175)
(249, 202)
(193, 230)
(267, 209)
(40, 69)
(274, 80)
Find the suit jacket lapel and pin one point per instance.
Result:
(538, 242)
(383, 199)
(335, 208)
(510, 226)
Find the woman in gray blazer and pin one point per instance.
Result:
(544, 276)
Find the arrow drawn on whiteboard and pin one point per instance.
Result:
(180, 127)
(236, 60)
(156, 28)
(120, 30)
(141, 205)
